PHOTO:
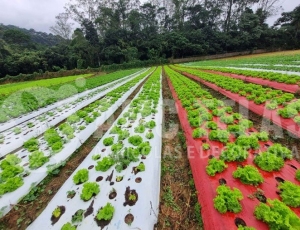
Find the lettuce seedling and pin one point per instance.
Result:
(215, 166)
(89, 190)
(248, 175)
(106, 213)
(81, 176)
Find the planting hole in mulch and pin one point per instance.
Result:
(103, 150)
(129, 218)
(138, 180)
(24, 156)
(143, 157)
(25, 164)
(135, 170)
(113, 195)
(211, 157)
(294, 167)
(111, 183)
(131, 197)
(109, 178)
(99, 178)
(222, 181)
(279, 179)
(262, 198)
(71, 194)
(90, 210)
(91, 167)
(25, 175)
(54, 219)
(240, 222)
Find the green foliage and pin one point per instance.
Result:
(205, 146)
(115, 130)
(96, 157)
(248, 142)
(277, 215)
(297, 120)
(73, 119)
(81, 176)
(105, 164)
(10, 171)
(115, 148)
(135, 140)
(150, 124)
(269, 162)
(262, 136)
(68, 226)
(236, 130)
(122, 121)
(234, 153)
(37, 159)
(280, 151)
(290, 194)
(108, 141)
(248, 175)
(31, 145)
(199, 132)
(144, 148)
(227, 119)
(297, 176)
(106, 213)
(211, 125)
(227, 200)
(132, 197)
(149, 135)
(287, 112)
(141, 167)
(89, 190)
(245, 228)
(215, 166)
(57, 212)
(123, 134)
(17, 130)
(11, 185)
(272, 105)
(78, 216)
(219, 135)
(139, 129)
(10, 160)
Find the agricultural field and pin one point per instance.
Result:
(190, 146)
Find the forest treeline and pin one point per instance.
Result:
(114, 34)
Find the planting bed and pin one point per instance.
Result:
(30, 101)
(235, 152)
(117, 185)
(31, 164)
(14, 137)
(281, 109)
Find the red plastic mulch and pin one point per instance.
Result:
(276, 85)
(206, 185)
(286, 123)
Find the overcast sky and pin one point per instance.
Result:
(40, 14)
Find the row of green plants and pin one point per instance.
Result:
(28, 100)
(203, 110)
(290, 79)
(271, 98)
(117, 155)
(56, 138)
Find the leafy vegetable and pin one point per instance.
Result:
(106, 213)
(277, 215)
(11, 185)
(139, 129)
(151, 124)
(227, 200)
(149, 135)
(263, 136)
(298, 175)
(122, 121)
(212, 125)
(141, 167)
(219, 135)
(89, 190)
(290, 194)
(57, 212)
(10, 160)
(234, 153)
(10, 172)
(37, 159)
(280, 151)
(144, 148)
(108, 141)
(81, 176)
(215, 166)
(68, 226)
(248, 175)
(205, 146)
(104, 164)
(135, 140)
(31, 145)
(269, 162)
(199, 132)
(78, 216)
(248, 142)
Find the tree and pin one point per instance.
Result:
(62, 27)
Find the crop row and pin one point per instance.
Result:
(122, 170)
(276, 77)
(38, 157)
(25, 101)
(237, 170)
(13, 138)
(285, 104)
